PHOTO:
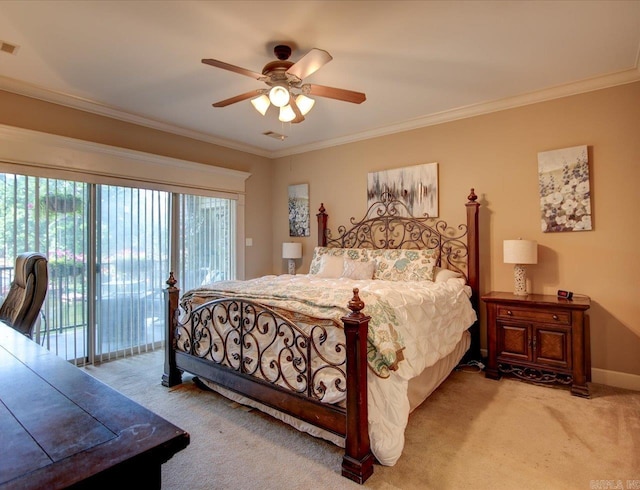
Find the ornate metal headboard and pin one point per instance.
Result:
(388, 224)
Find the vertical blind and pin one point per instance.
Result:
(206, 240)
(112, 244)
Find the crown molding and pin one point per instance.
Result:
(565, 90)
(557, 92)
(80, 103)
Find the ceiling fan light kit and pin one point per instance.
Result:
(261, 104)
(304, 103)
(285, 80)
(286, 114)
(279, 96)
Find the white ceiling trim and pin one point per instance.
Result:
(588, 85)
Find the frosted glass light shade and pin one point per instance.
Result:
(287, 114)
(520, 252)
(279, 96)
(304, 104)
(261, 104)
(291, 250)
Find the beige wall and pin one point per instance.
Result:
(497, 154)
(37, 115)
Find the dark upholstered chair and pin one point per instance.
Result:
(22, 305)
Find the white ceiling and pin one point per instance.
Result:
(419, 62)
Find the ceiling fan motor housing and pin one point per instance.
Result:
(282, 52)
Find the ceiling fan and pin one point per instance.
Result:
(286, 88)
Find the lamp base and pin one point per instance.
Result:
(520, 280)
(292, 267)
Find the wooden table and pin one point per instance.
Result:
(60, 427)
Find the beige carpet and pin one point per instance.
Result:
(471, 433)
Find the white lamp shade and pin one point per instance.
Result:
(291, 250)
(520, 252)
(261, 104)
(287, 114)
(279, 96)
(304, 103)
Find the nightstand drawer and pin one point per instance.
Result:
(532, 314)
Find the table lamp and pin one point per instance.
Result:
(292, 251)
(520, 252)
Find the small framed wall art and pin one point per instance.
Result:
(565, 194)
(299, 224)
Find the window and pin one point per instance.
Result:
(111, 243)
(206, 244)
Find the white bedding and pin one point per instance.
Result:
(429, 317)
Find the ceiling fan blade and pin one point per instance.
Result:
(299, 117)
(237, 98)
(337, 93)
(310, 63)
(233, 68)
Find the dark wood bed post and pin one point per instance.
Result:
(172, 375)
(322, 226)
(473, 271)
(357, 462)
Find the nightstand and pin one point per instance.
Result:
(539, 338)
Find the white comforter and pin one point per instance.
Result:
(430, 319)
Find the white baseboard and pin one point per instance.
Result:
(616, 378)
(607, 377)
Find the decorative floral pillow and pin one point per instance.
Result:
(359, 254)
(405, 265)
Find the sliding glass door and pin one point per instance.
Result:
(132, 264)
(206, 244)
(50, 216)
(109, 255)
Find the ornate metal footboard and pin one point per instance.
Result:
(306, 358)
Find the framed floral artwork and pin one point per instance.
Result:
(565, 195)
(299, 224)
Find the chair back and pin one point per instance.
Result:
(27, 292)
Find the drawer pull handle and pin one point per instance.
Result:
(509, 312)
(555, 317)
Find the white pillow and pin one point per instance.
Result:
(354, 269)
(330, 266)
(443, 275)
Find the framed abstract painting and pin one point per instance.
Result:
(416, 187)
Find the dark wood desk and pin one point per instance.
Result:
(61, 428)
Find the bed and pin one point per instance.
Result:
(348, 356)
